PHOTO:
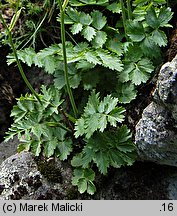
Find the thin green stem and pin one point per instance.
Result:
(62, 14)
(35, 32)
(129, 8)
(58, 124)
(17, 60)
(65, 3)
(123, 16)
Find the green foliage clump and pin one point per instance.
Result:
(99, 63)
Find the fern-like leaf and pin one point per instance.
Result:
(97, 114)
(107, 149)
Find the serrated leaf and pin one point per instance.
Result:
(165, 15)
(65, 148)
(142, 71)
(96, 115)
(99, 21)
(37, 130)
(83, 179)
(50, 147)
(151, 18)
(77, 160)
(79, 127)
(99, 39)
(26, 56)
(143, 2)
(23, 147)
(89, 174)
(123, 135)
(111, 61)
(159, 38)
(82, 185)
(111, 149)
(50, 64)
(160, 20)
(73, 75)
(92, 105)
(59, 80)
(35, 147)
(126, 92)
(91, 189)
(91, 57)
(114, 7)
(116, 115)
(115, 46)
(76, 28)
(124, 75)
(135, 31)
(102, 161)
(150, 49)
(111, 103)
(91, 124)
(116, 160)
(73, 14)
(89, 33)
(84, 65)
(102, 123)
(77, 174)
(85, 19)
(133, 54)
(87, 157)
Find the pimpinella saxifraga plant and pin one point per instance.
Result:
(110, 51)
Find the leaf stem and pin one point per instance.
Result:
(123, 16)
(17, 59)
(58, 124)
(129, 8)
(62, 14)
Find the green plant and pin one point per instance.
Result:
(100, 66)
(31, 24)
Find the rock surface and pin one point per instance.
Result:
(156, 131)
(22, 177)
(8, 149)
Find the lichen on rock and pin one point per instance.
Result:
(156, 131)
(21, 178)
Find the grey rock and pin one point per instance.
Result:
(156, 131)
(166, 90)
(156, 136)
(8, 149)
(22, 177)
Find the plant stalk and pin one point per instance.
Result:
(17, 60)
(62, 14)
(58, 124)
(129, 8)
(123, 16)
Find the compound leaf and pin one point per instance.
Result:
(97, 114)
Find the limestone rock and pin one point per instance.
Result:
(156, 131)
(22, 177)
